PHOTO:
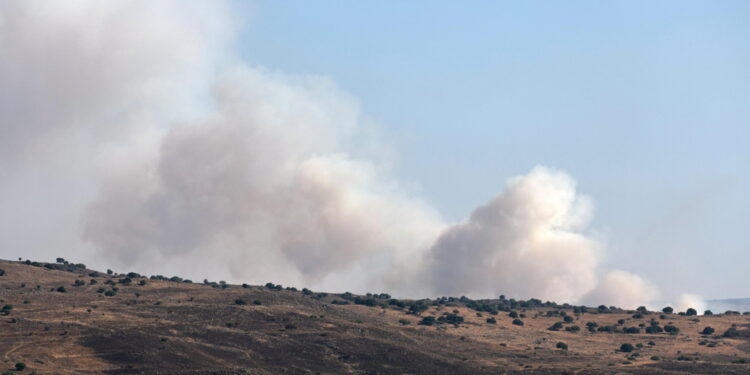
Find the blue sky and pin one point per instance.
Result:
(646, 104)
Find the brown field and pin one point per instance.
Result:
(169, 327)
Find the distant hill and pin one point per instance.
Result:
(62, 318)
(734, 304)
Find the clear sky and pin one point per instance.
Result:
(646, 104)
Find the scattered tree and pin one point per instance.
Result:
(708, 331)
(667, 310)
(627, 348)
(427, 321)
(691, 311)
(518, 322)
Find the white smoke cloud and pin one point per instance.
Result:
(523, 242)
(78, 80)
(687, 300)
(622, 289)
(264, 190)
(171, 156)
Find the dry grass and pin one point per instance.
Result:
(178, 328)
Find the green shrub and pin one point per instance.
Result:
(240, 301)
(708, 331)
(427, 321)
(691, 311)
(257, 302)
(61, 289)
(20, 366)
(404, 322)
(731, 332)
(632, 330)
(627, 348)
(491, 320)
(562, 345)
(517, 322)
(2, 272)
(667, 310)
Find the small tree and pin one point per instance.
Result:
(627, 348)
(61, 289)
(60, 260)
(2, 272)
(708, 331)
(691, 311)
(20, 366)
(667, 310)
(491, 320)
(518, 322)
(562, 345)
(708, 312)
(240, 301)
(427, 321)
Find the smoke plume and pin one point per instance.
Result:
(135, 138)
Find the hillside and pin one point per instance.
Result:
(66, 319)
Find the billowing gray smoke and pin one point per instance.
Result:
(173, 157)
(262, 189)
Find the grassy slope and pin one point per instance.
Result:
(178, 328)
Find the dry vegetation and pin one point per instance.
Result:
(59, 321)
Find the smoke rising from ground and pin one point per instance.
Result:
(176, 158)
